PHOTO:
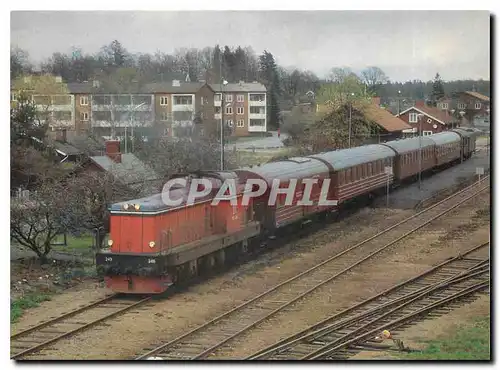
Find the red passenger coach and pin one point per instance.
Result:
(152, 245)
(406, 162)
(448, 147)
(279, 214)
(357, 171)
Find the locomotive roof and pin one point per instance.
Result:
(445, 137)
(346, 158)
(409, 145)
(292, 168)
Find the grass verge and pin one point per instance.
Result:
(469, 342)
(18, 306)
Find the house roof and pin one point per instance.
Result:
(131, 171)
(240, 87)
(442, 116)
(385, 119)
(66, 149)
(478, 95)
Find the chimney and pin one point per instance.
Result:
(376, 100)
(113, 150)
(419, 103)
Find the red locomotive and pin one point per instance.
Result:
(153, 246)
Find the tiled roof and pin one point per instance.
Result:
(385, 119)
(478, 95)
(131, 171)
(240, 87)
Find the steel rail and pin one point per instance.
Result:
(316, 267)
(66, 334)
(322, 327)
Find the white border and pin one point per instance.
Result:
(488, 5)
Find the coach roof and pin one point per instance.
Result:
(445, 137)
(409, 145)
(292, 168)
(346, 158)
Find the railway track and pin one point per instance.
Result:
(42, 335)
(343, 334)
(203, 341)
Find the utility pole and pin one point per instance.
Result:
(350, 119)
(420, 116)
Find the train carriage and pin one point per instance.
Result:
(406, 162)
(448, 147)
(468, 141)
(279, 214)
(357, 171)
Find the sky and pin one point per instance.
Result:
(406, 45)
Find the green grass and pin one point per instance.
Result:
(18, 306)
(470, 342)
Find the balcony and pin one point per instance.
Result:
(257, 115)
(257, 125)
(122, 108)
(257, 100)
(183, 108)
(120, 124)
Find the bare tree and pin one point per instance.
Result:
(373, 77)
(36, 222)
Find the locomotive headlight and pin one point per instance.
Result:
(125, 206)
(152, 244)
(110, 242)
(137, 207)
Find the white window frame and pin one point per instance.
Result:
(477, 105)
(426, 133)
(229, 110)
(229, 122)
(220, 110)
(84, 100)
(84, 116)
(444, 105)
(240, 123)
(217, 97)
(461, 105)
(163, 100)
(415, 115)
(164, 117)
(228, 98)
(240, 98)
(13, 97)
(240, 110)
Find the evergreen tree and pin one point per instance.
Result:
(270, 78)
(437, 89)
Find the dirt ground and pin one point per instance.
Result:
(29, 276)
(128, 335)
(433, 328)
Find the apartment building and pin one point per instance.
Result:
(181, 105)
(52, 97)
(244, 108)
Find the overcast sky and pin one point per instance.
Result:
(406, 45)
